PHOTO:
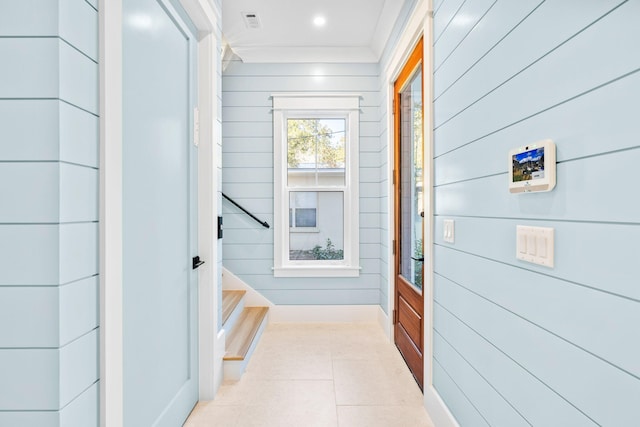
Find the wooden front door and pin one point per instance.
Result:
(409, 213)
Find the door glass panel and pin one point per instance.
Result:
(411, 192)
(316, 152)
(316, 225)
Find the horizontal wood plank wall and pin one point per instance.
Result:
(247, 177)
(49, 213)
(515, 343)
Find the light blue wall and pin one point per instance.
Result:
(48, 213)
(517, 344)
(248, 177)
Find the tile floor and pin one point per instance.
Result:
(324, 375)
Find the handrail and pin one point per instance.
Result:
(265, 224)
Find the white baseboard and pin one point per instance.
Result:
(383, 321)
(438, 411)
(252, 298)
(324, 313)
(218, 365)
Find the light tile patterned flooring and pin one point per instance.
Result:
(324, 375)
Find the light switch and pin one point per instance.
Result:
(541, 242)
(535, 245)
(531, 243)
(522, 243)
(449, 231)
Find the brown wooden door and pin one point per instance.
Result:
(409, 212)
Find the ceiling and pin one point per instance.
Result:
(355, 30)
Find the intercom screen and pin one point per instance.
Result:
(528, 165)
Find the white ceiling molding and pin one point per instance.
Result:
(227, 55)
(294, 54)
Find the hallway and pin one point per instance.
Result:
(122, 122)
(319, 374)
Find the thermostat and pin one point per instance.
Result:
(533, 167)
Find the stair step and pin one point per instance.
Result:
(230, 299)
(241, 337)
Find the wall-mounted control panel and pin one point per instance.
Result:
(535, 245)
(533, 167)
(448, 231)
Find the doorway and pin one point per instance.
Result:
(409, 198)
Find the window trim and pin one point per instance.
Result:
(307, 105)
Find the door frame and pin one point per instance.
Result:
(210, 343)
(419, 24)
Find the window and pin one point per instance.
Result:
(316, 182)
(303, 210)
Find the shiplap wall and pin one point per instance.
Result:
(514, 343)
(49, 213)
(247, 177)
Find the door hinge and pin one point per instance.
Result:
(395, 316)
(393, 178)
(394, 107)
(393, 247)
(196, 126)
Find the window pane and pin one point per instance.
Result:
(316, 152)
(323, 238)
(302, 208)
(411, 194)
(305, 217)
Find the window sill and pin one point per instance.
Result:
(304, 230)
(316, 271)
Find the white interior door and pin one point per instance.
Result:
(159, 214)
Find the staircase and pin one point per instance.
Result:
(243, 326)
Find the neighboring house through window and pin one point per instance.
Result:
(316, 182)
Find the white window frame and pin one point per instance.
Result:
(307, 105)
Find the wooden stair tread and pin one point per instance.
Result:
(240, 338)
(230, 300)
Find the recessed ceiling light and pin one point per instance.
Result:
(319, 21)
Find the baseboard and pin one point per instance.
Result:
(218, 367)
(324, 313)
(383, 321)
(252, 298)
(438, 411)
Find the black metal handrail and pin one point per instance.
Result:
(265, 224)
